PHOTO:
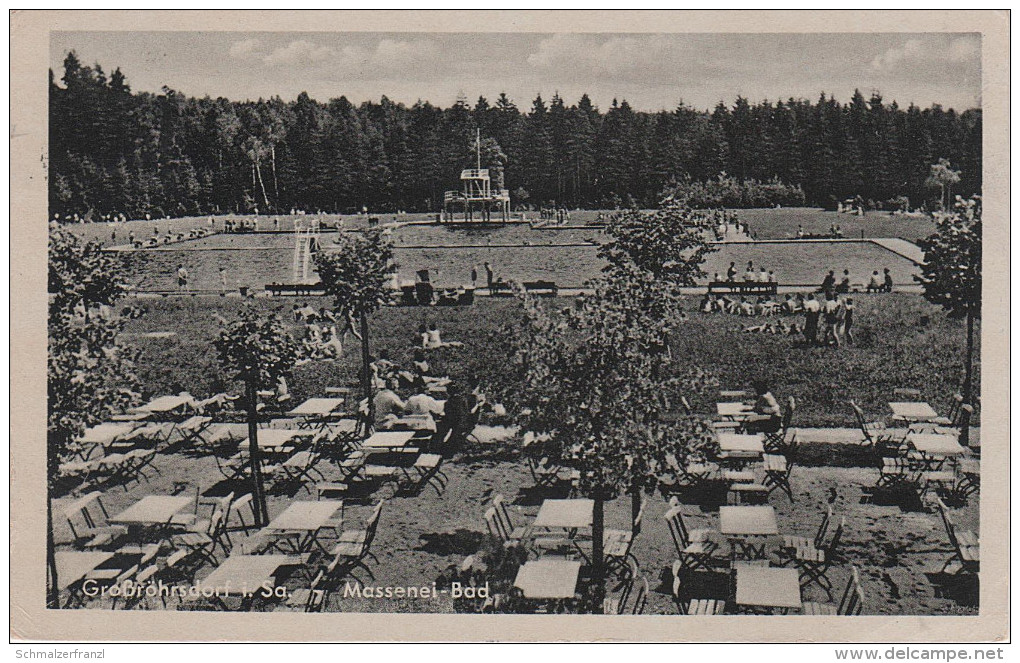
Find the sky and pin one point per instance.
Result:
(651, 71)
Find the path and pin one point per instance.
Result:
(902, 247)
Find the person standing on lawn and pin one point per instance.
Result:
(831, 312)
(848, 320)
(223, 280)
(731, 273)
(888, 280)
(829, 282)
(489, 276)
(182, 278)
(812, 310)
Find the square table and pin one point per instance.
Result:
(151, 510)
(911, 412)
(276, 440)
(738, 443)
(414, 422)
(388, 440)
(244, 575)
(734, 411)
(317, 407)
(104, 436)
(548, 579)
(300, 522)
(935, 448)
(746, 527)
(768, 587)
(565, 514)
(73, 565)
(165, 404)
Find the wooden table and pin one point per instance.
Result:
(762, 587)
(913, 412)
(388, 440)
(747, 528)
(414, 422)
(738, 443)
(151, 510)
(300, 522)
(548, 579)
(276, 440)
(565, 514)
(734, 411)
(935, 448)
(73, 565)
(317, 412)
(165, 404)
(244, 575)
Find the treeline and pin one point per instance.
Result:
(115, 151)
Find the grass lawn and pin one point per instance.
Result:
(782, 223)
(895, 347)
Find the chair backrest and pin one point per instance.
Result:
(495, 524)
(852, 602)
(686, 405)
(635, 526)
(823, 527)
(947, 522)
(217, 523)
(641, 598)
(964, 415)
(954, 406)
(677, 529)
(372, 524)
(859, 415)
(791, 406)
(830, 552)
(679, 595)
(503, 513)
(236, 505)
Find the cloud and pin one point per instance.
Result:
(242, 50)
(300, 52)
(645, 57)
(916, 52)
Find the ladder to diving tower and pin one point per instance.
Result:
(305, 241)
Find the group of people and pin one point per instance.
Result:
(835, 232)
(876, 283)
(828, 320)
(762, 275)
(324, 335)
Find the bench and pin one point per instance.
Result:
(743, 287)
(296, 289)
(500, 288)
(545, 288)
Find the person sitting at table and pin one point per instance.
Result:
(767, 417)
(456, 419)
(387, 404)
(422, 404)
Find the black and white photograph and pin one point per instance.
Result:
(506, 322)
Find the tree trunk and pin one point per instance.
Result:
(276, 183)
(258, 486)
(598, 568)
(262, 185)
(52, 594)
(968, 374)
(366, 373)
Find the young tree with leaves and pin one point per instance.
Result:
(89, 375)
(951, 273)
(356, 273)
(258, 351)
(943, 177)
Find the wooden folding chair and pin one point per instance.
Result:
(850, 605)
(814, 563)
(966, 547)
(692, 554)
(688, 605)
(777, 474)
(776, 441)
(791, 543)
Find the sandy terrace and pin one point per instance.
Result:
(899, 550)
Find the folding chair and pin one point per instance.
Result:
(792, 542)
(776, 441)
(777, 474)
(626, 602)
(237, 508)
(688, 605)
(970, 478)
(204, 541)
(426, 471)
(299, 466)
(814, 563)
(618, 543)
(896, 473)
(87, 529)
(693, 554)
(851, 604)
(966, 547)
(875, 432)
(312, 598)
(513, 531)
(354, 547)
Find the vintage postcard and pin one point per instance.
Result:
(510, 326)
